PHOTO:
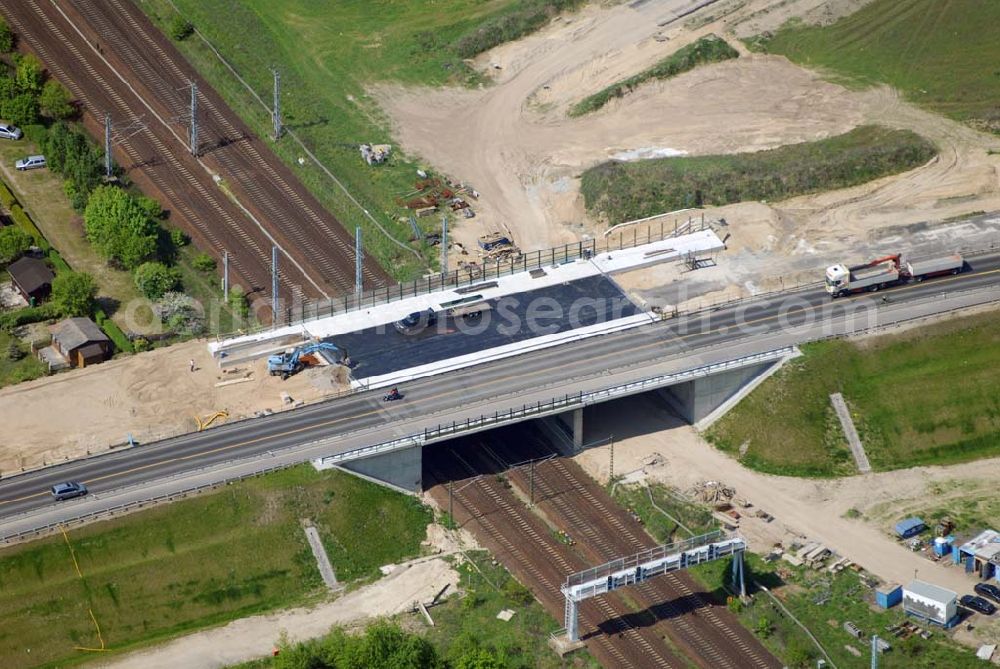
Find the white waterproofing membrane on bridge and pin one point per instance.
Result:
(705, 241)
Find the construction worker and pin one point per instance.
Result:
(192, 364)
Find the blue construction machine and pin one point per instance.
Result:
(288, 363)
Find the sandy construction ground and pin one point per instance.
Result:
(653, 445)
(514, 141)
(150, 396)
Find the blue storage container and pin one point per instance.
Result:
(889, 595)
(909, 527)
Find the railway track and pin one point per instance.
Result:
(603, 532)
(526, 547)
(114, 61)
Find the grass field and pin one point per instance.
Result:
(665, 511)
(921, 397)
(41, 194)
(823, 602)
(327, 54)
(15, 371)
(196, 563)
(940, 53)
(708, 49)
(626, 191)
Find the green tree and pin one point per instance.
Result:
(119, 227)
(29, 75)
(238, 301)
(21, 109)
(55, 101)
(13, 243)
(479, 658)
(6, 37)
(153, 279)
(203, 262)
(73, 293)
(70, 154)
(180, 28)
(8, 88)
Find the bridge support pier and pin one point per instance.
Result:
(401, 470)
(696, 400)
(573, 420)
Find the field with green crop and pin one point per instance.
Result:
(922, 397)
(708, 49)
(196, 563)
(327, 54)
(941, 53)
(623, 191)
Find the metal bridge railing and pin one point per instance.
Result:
(557, 404)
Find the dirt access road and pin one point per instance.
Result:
(516, 143)
(652, 444)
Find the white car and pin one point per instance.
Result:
(8, 131)
(30, 163)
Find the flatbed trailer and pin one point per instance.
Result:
(888, 271)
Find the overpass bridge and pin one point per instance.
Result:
(696, 362)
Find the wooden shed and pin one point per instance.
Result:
(32, 278)
(81, 341)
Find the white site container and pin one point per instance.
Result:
(930, 602)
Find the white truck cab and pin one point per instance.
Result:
(837, 277)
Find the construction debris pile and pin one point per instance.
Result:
(375, 154)
(497, 247)
(432, 194)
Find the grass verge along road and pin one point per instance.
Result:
(195, 563)
(921, 397)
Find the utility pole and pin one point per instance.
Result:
(225, 276)
(451, 495)
(444, 247)
(107, 145)
(612, 474)
(531, 480)
(359, 256)
(194, 118)
(874, 651)
(279, 129)
(274, 285)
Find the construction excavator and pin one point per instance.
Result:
(290, 362)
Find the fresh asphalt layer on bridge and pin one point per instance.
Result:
(507, 320)
(362, 419)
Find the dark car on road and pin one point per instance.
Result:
(988, 590)
(977, 604)
(416, 322)
(68, 490)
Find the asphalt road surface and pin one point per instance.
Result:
(507, 320)
(773, 321)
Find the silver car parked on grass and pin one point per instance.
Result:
(30, 163)
(8, 131)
